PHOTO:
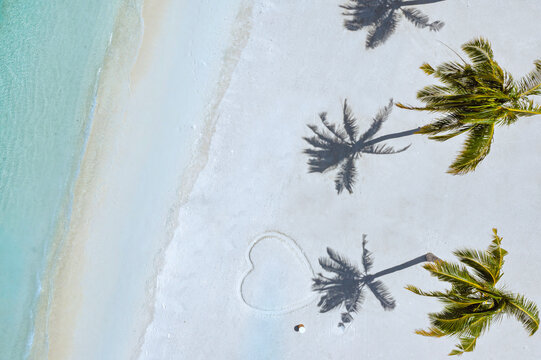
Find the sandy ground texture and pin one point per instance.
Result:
(199, 228)
(221, 296)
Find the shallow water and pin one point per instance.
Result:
(50, 58)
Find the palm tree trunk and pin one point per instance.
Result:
(423, 258)
(391, 136)
(419, 2)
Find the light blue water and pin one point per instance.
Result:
(50, 55)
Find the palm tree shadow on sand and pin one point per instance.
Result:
(381, 17)
(334, 146)
(346, 288)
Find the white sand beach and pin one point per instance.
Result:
(201, 156)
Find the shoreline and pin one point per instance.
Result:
(64, 303)
(195, 152)
(61, 252)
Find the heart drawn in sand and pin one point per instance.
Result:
(280, 275)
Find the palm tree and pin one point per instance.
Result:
(333, 146)
(474, 302)
(474, 98)
(347, 285)
(382, 17)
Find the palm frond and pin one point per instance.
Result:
(331, 300)
(350, 123)
(457, 76)
(523, 108)
(342, 261)
(383, 149)
(416, 17)
(322, 135)
(361, 15)
(328, 150)
(377, 122)
(427, 68)
(451, 134)
(454, 274)
(497, 253)
(381, 293)
(433, 94)
(367, 259)
(418, 291)
(345, 179)
(382, 30)
(381, 17)
(341, 269)
(323, 160)
(479, 51)
(454, 319)
(484, 266)
(436, 25)
(431, 331)
(451, 297)
(316, 141)
(447, 123)
(476, 148)
(339, 133)
(531, 83)
(320, 282)
(467, 344)
(354, 301)
(344, 288)
(524, 311)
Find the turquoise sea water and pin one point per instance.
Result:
(50, 55)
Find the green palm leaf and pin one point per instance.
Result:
(479, 51)
(473, 98)
(476, 148)
(474, 303)
(531, 83)
(524, 311)
(454, 274)
(431, 331)
(497, 253)
(467, 344)
(482, 264)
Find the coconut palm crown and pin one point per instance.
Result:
(336, 146)
(381, 17)
(474, 302)
(473, 98)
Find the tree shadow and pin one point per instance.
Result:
(381, 17)
(336, 146)
(346, 288)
